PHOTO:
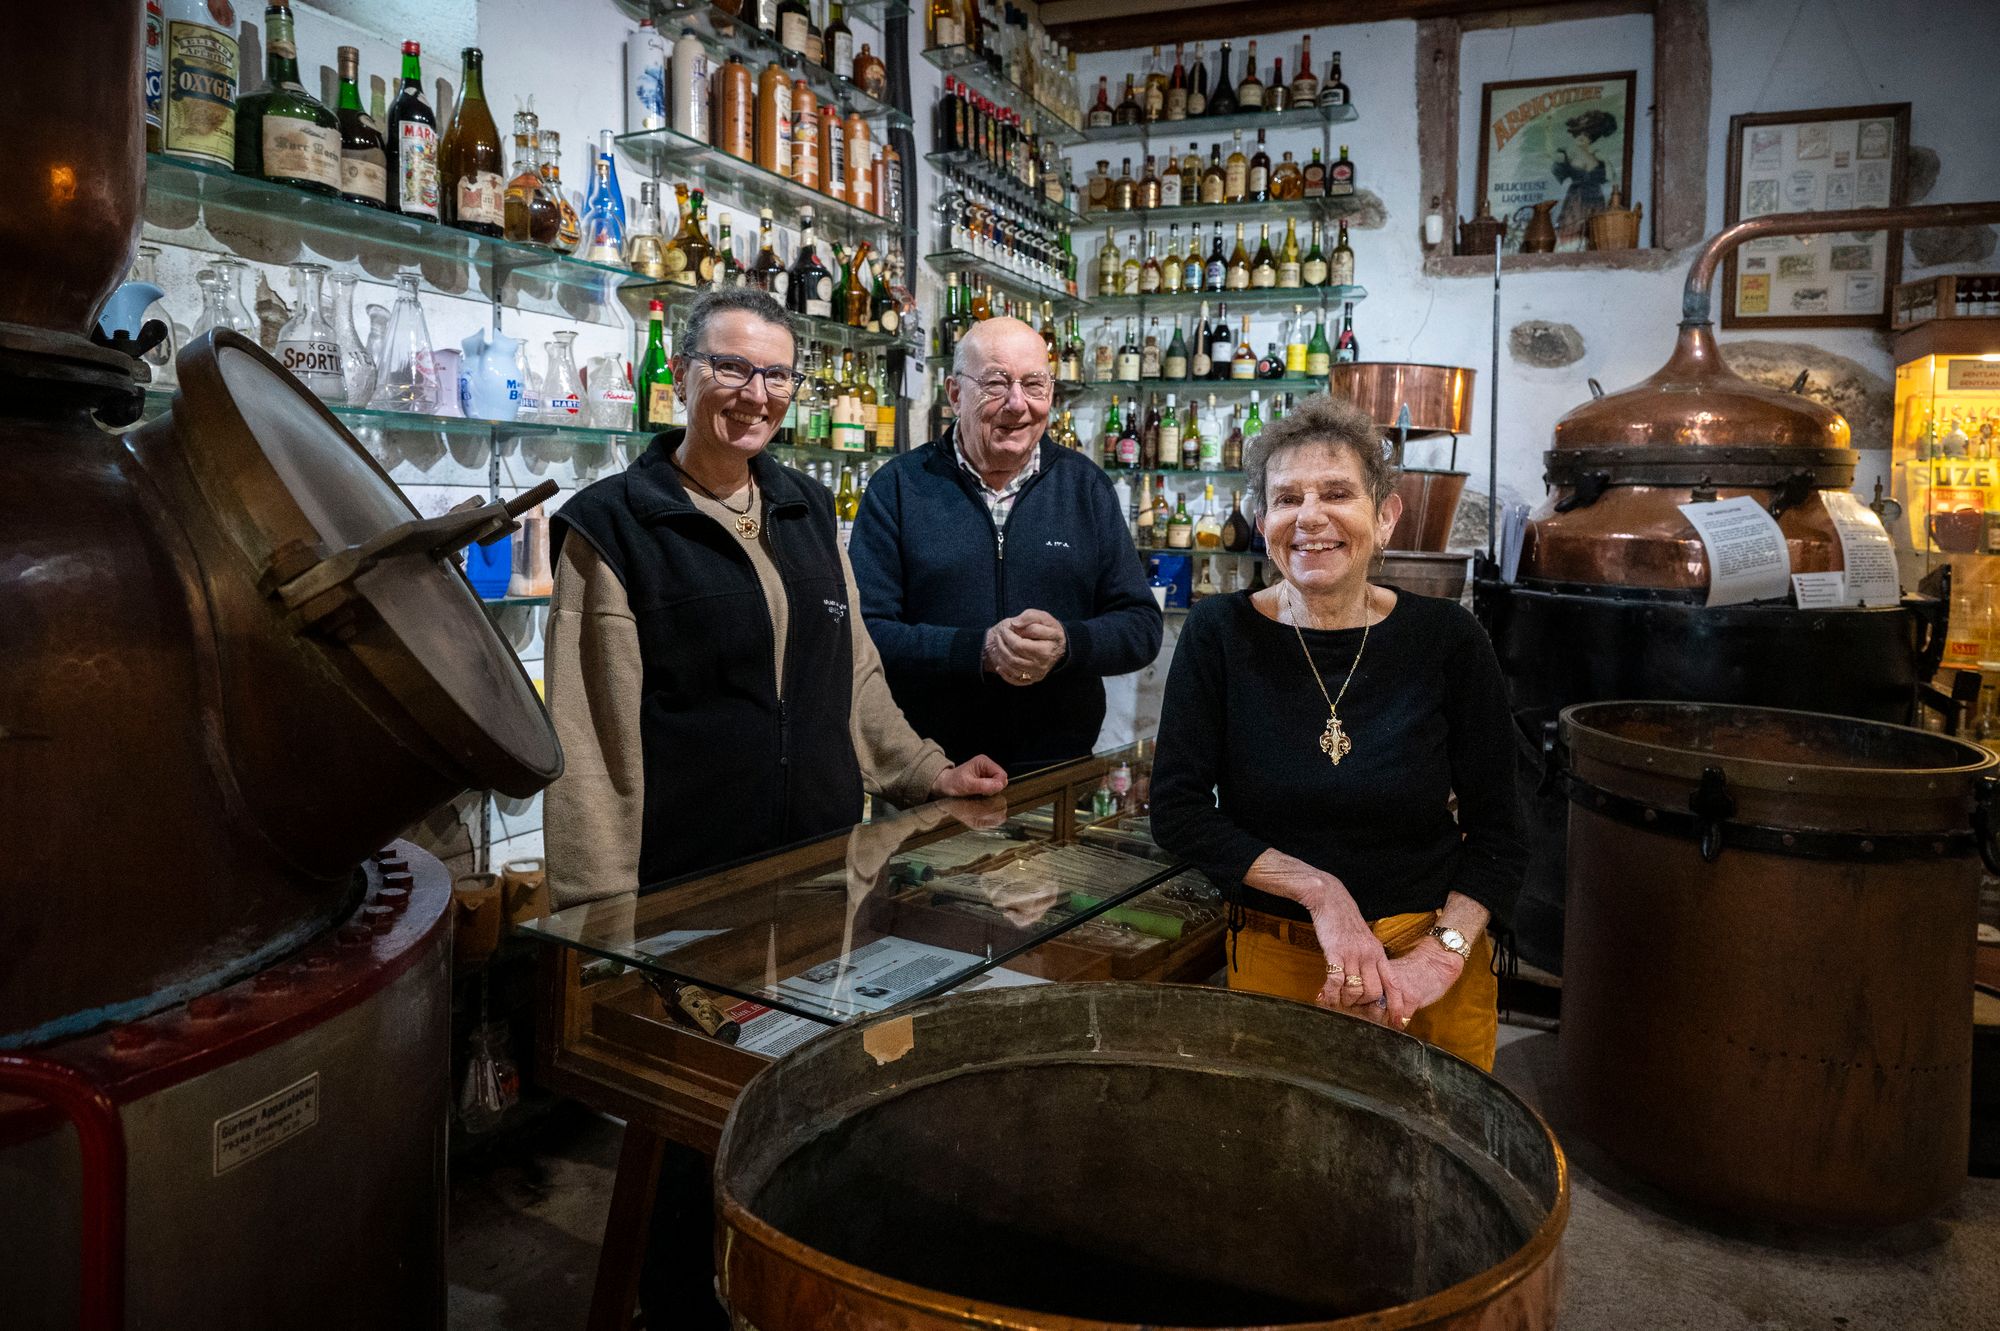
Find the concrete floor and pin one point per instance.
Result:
(526, 1224)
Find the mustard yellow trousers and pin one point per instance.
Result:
(1283, 958)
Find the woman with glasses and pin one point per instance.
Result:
(714, 697)
(997, 574)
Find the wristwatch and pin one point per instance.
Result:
(1453, 940)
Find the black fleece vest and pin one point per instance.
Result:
(730, 770)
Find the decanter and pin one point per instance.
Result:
(357, 367)
(408, 370)
(307, 346)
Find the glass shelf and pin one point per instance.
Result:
(358, 419)
(637, 294)
(1327, 208)
(1198, 477)
(1008, 281)
(1313, 117)
(1145, 550)
(1254, 298)
(722, 31)
(1223, 387)
(969, 66)
(181, 195)
(655, 150)
(987, 177)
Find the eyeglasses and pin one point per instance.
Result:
(735, 372)
(994, 387)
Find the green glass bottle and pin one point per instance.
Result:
(1180, 527)
(656, 374)
(1319, 355)
(1108, 442)
(1253, 423)
(1175, 365)
(283, 132)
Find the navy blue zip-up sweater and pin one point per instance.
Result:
(933, 580)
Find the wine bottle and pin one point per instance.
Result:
(1313, 268)
(811, 285)
(1199, 363)
(1250, 92)
(1290, 267)
(1243, 364)
(1222, 100)
(1236, 173)
(412, 143)
(1340, 268)
(1347, 350)
(1221, 346)
(1258, 184)
(1197, 88)
(1237, 276)
(1177, 88)
(470, 161)
(656, 374)
(1319, 356)
(1264, 267)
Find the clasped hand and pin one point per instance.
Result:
(1024, 649)
(1390, 990)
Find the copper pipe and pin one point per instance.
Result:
(1695, 297)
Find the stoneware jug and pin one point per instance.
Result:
(1540, 237)
(489, 376)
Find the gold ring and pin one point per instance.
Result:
(1334, 970)
(1356, 982)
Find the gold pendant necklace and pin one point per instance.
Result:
(746, 522)
(1334, 741)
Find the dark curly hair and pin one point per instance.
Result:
(1325, 422)
(1592, 125)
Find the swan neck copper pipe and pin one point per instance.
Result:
(1701, 274)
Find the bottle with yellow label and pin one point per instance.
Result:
(199, 93)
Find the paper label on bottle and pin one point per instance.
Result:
(1212, 189)
(200, 93)
(1872, 577)
(314, 362)
(1333, 95)
(1236, 180)
(660, 402)
(155, 61)
(1202, 365)
(1289, 275)
(364, 177)
(949, 32)
(300, 150)
(1243, 367)
(1748, 559)
(1259, 180)
(1149, 361)
(566, 404)
(1170, 442)
(843, 54)
(1149, 279)
(1313, 272)
(1197, 102)
(1295, 358)
(1170, 191)
(1177, 104)
(1263, 275)
(1156, 101)
(1209, 458)
(1236, 279)
(417, 168)
(482, 197)
(1128, 366)
(1340, 180)
(793, 32)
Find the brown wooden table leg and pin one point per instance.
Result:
(626, 1228)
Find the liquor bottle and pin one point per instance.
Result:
(1332, 92)
(1209, 448)
(1199, 364)
(1319, 356)
(1149, 272)
(647, 58)
(412, 143)
(1236, 529)
(1236, 173)
(1128, 438)
(284, 133)
(946, 28)
(1340, 176)
(469, 159)
(1128, 353)
(529, 212)
(839, 43)
(1221, 346)
(701, 255)
(1222, 98)
(1208, 528)
(1169, 445)
(885, 315)
(1314, 268)
(948, 128)
(811, 286)
(1287, 181)
(1174, 365)
(1264, 268)
(1130, 110)
(807, 164)
(1347, 350)
(1072, 362)
(1162, 514)
(1167, 192)
(1290, 267)
(603, 223)
(846, 504)
(815, 52)
(1150, 456)
(1197, 88)
(1253, 420)
(1314, 178)
(767, 271)
(832, 152)
(1232, 447)
(774, 121)
(1190, 168)
(1180, 527)
(1340, 267)
(364, 163)
(1103, 355)
(1191, 435)
(548, 164)
(1154, 100)
(1215, 180)
(1297, 336)
(734, 95)
(860, 163)
(1110, 266)
(1147, 196)
(1243, 363)
(1142, 514)
(1108, 441)
(1250, 92)
(885, 417)
(1194, 270)
(1258, 184)
(794, 25)
(1216, 275)
(1271, 365)
(1277, 92)
(656, 372)
(690, 88)
(1100, 111)
(1177, 88)
(645, 247)
(1124, 190)
(1305, 85)
(1135, 264)
(1149, 354)
(860, 288)
(1237, 275)
(198, 97)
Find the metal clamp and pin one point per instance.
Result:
(1713, 807)
(1588, 488)
(1794, 490)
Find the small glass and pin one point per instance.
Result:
(307, 346)
(562, 390)
(357, 367)
(409, 380)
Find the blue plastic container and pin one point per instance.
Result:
(490, 567)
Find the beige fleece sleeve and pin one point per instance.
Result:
(896, 762)
(591, 816)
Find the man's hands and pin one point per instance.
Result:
(1024, 649)
(974, 777)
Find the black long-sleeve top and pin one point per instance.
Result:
(1239, 768)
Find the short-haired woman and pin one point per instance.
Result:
(1313, 737)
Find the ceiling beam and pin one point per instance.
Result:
(1107, 25)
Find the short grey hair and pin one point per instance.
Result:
(747, 300)
(1329, 422)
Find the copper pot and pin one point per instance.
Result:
(1419, 400)
(1430, 506)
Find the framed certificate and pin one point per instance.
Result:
(1815, 161)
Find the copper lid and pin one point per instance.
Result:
(1696, 401)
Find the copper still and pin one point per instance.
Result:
(238, 663)
(1609, 601)
(1279, 1118)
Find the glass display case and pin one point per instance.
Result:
(660, 1004)
(1947, 470)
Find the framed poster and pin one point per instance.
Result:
(1815, 161)
(1566, 140)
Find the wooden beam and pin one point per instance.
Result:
(1681, 75)
(1437, 125)
(1107, 25)
(1557, 11)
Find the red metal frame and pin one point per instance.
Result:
(101, 1149)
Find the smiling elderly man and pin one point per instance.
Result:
(997, 575)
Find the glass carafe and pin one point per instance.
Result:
(234, 271)
(562, 391)
(408, 372)
(357, 367)
(160, 360)
(214, 301)
(306, 344)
